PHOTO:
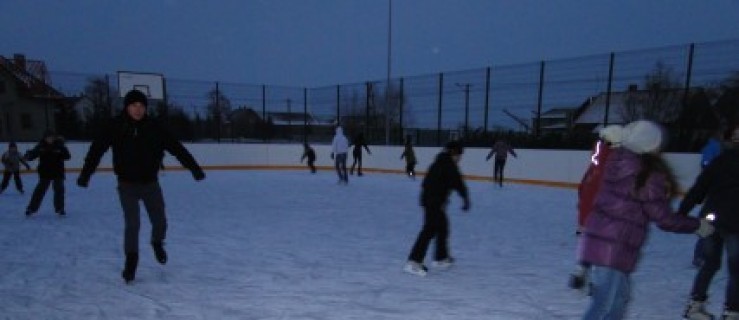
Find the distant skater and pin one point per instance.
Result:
(500, 149)
(410, 158)
(358, 144)
(442, 177)
(310, 155)
(51, 153)
(339, 149)
(12, 160)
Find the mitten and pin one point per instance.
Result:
(705, 229)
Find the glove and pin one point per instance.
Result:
(466, 205)
(83, 181)
(198, 174)
(332, 156)
(705, 229)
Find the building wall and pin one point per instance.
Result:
(548, 167)
(12, 108)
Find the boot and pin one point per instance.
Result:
(129, 271)
(730, 315)
(159, 252)
(696, 310)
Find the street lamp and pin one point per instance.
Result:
(466, 88)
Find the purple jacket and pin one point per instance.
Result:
(616, 228)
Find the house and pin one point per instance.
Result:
(292, 124)
(557, 120)
(27, 100)
(622, 107)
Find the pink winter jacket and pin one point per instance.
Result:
(617, 227)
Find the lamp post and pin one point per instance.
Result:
(466, 88)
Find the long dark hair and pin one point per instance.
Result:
(654, 163)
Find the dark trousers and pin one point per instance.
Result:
(410, 168)
(312, 166)
(40, 191)
(340, 164)
(435, 225)
(151, 195)
(713, 247)
(16, 177)
(498, 171)
(357, 162)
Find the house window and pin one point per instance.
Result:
(26, 122)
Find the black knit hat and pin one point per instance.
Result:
(454, 147)
(135, 96)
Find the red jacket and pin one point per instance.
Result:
(591, 182)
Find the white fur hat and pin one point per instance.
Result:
(642, 136)
(612, 134)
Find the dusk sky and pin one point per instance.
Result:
(312, 43)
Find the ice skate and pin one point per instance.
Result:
(159, 252)
(696, 310)
(415, 268)
(129, 271)
(445, 263)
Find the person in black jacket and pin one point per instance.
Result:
(138, 145)
(717, 187)
(51, 153)
(310, 154)
(358, 144)
(442, 177)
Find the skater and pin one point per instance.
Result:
(442, 177)
(310, 155)
(358, 144)
(717, 187)
(500, 149)
(710, 151)
(12, 160)
(339, 148)
(609, 138)
(410, 158)
(138, 145)
(636, 189)
(51, 153)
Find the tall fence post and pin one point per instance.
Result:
(609, 89)
(487, 99)
(537, 127)
(218, 113)
(368, 95)
(305, 115)
(338, 104)
(400, 109)
(689, 73)
(438, 116)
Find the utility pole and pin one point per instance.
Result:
(466, 88)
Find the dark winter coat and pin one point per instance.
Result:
(442, 177)
(12, 160)
(51, 157)
(309, 154)
(408, 154)
(617, 227)
(501, 149)
(138, 149)
(718, 185)
(358, 144)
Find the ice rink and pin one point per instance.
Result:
(292, 245)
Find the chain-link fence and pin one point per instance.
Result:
(547, 104)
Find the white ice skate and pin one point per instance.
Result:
(416, 268)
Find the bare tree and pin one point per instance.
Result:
(660, 100)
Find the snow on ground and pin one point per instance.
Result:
(291, 245)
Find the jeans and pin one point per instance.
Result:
(498, 168)
(340, 163)
(151, 195)
(610, 294)
(713, 247)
